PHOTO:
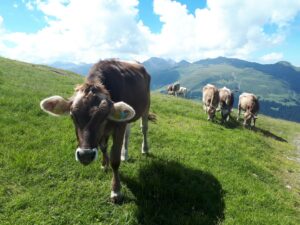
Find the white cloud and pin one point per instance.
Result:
(272, 57)
(15, 5)
(232, 28)
(84, 31)
(29, 5)
(78, 31)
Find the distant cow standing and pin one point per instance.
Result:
(182, 92)
(248, 102)
(226, 98)
(210, 100)
(114, 94)
(173, 89)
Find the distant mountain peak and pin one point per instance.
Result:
(285, 63)
(183, 63)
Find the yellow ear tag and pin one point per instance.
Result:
(120, 115)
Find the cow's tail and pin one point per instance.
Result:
(152, 117)
(212, 100)
(228, 100)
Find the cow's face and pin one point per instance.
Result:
(211, 112)
(90, 110)
(247, 118)
(225, 113)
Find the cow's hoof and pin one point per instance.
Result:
(124, 158)
(145, 151)
(116, 197)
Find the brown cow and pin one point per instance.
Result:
(114, 94)
(226, 98)
(173, 89)
(248, 102)
(210, 100)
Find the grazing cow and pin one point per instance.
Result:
(173, 89)
(210, 100)
(226, 98)
(182, 91)
(248, 102)
(114, 94)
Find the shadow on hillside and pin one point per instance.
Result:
(269, 134)
(230, 124)
(169, 193)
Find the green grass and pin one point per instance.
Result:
(198, 172)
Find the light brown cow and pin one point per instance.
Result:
(114, 94)
(226, 103)
(210, 100)
(248, 102)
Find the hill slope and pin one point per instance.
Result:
(278, 85)
(198, 172)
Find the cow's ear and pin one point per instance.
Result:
(121, 112)
(56, 105)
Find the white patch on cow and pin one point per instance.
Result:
(115, 194)
(226, 89)
(79, 95)
(86, 149)
(209, 85)
(130, 62)
(245, 94)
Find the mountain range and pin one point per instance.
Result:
(277, 85)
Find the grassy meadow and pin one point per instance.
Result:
(198, 172)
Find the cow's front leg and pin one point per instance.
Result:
(238, 113)
(124, 152)
(115, 159)
(105, 158)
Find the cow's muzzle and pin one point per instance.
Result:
(86, 156)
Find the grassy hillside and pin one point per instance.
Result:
(198, 172)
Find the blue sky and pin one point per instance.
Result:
(44, 31)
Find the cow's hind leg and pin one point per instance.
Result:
(144, 128)
(124, 152)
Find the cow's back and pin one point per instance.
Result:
(127, 82)
(210, 93)
(226, 97)
(249, 101)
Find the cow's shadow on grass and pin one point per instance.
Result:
(232, 123)
(168, 193)
(268, 134)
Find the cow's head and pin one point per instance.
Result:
(211, 111)
(90, 108)
(248, 116)
(225, 111)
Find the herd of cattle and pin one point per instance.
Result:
(116, 93)
(222, 100)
